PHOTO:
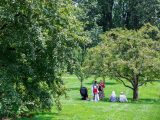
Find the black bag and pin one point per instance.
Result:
(83, 91)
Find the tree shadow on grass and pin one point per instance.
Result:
(106, 83)
(41, 116)
(145, 101)
(75, 88)
(140, 101)
(79, 99)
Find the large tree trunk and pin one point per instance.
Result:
(106, 11)
(135, 93)
(135, 88)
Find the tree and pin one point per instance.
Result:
(78, 65)
(129, 56)
(98, 12)
(87, 14)
(106, 12)
(130, 14)
(37, 40)
(133, 14)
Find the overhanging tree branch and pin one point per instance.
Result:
(125, 84)
(119, 75)
(148, 81)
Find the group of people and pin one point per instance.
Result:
(98, 93)
(114, 98)
(98, 90)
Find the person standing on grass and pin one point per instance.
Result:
(113, 97)
(95, 91)
(101, 89)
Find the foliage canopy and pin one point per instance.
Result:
(37, 40)
(129, 56)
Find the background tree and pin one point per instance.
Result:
(87, 14)
(129, 56)
(130, 14)
(133, 14)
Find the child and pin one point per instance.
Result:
(95, 91)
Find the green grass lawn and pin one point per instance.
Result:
(147, 108)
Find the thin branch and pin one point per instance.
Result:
(125, 84)
(125, 78)
(148, 81)
(120, 75)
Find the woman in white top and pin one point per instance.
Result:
(113, 97)
(122, 97)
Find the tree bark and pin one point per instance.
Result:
(135, 93)
(135, 88)
(81, 83)
(106, 11)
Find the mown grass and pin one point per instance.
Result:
(147, 108)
